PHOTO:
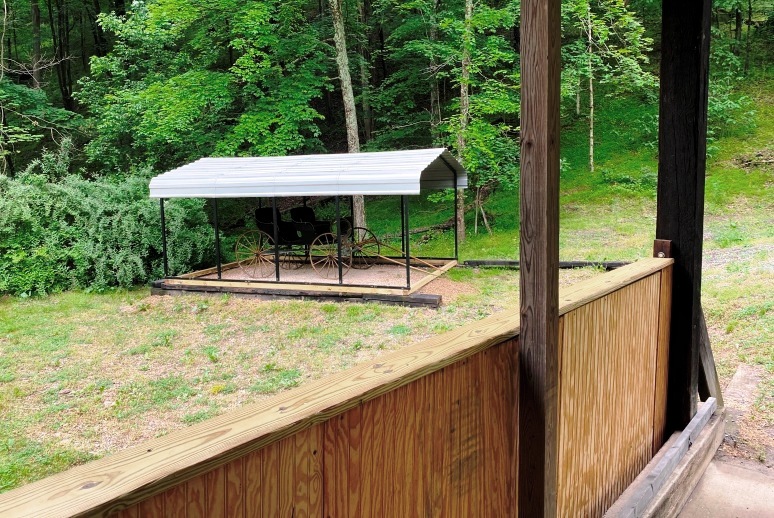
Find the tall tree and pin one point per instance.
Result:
(609, 47)
(61, 25)
(365, 74)
(7, 163)
(467, 44)
(36, 57)
(350, 108)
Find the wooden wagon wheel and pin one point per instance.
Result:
(365, 248)
(324, 255)
(293, 258)
(254, 251)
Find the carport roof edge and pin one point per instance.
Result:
(377, 173)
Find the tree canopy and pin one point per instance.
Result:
(157, 83)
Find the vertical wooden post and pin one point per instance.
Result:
(682, 159)
(539, 257)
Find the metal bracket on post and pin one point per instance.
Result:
(662, 248)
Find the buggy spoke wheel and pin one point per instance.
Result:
(254, 252)
(365, 248)
(324, 256)
(292, 258)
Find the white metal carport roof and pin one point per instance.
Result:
(385, 172)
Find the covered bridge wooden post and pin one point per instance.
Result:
(682, 160)
(539, 255)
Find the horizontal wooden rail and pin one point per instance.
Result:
(118, 481)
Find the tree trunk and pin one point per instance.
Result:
(82, 37)
(3, 27)
(747, 42)
(350, 110)
(738, 31)
(36, 68)
(577, 98)
(435, 93)
(591, 93)
(365, 80)
(6, 165)
(467, 39)
(60, 35)
(100, 42)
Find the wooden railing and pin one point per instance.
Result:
(430, 430)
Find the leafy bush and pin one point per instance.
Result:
(77, 233)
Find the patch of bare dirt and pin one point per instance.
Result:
(448, 289)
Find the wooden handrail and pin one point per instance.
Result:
(122, 479)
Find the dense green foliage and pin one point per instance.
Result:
(69, 232)
(121, 90)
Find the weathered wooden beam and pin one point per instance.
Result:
(539, 258)
(682, 159)
(638, 497)
(709, 384)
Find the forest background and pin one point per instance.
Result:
(97, 96)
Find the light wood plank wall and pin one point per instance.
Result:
(439, 446)
(612, 387)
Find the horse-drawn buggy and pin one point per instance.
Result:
(304, 240)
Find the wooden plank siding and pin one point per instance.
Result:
(474, 471)
(431, 430)
(607, 392)
(662, 361)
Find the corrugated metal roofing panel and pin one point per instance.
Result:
(383, 172)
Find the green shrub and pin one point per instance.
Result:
(77, 233)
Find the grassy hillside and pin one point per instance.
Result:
(610, 214)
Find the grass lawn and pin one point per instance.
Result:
(83, 375)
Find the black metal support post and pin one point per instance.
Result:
(405, 217)
(338, 239)
(456, 222)
(402, 225)
(217, 235)
(276, 237)
(164, 239)
(456, 194)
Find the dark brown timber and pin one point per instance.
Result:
(709, 384)
(682, 160)
(539, 258)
